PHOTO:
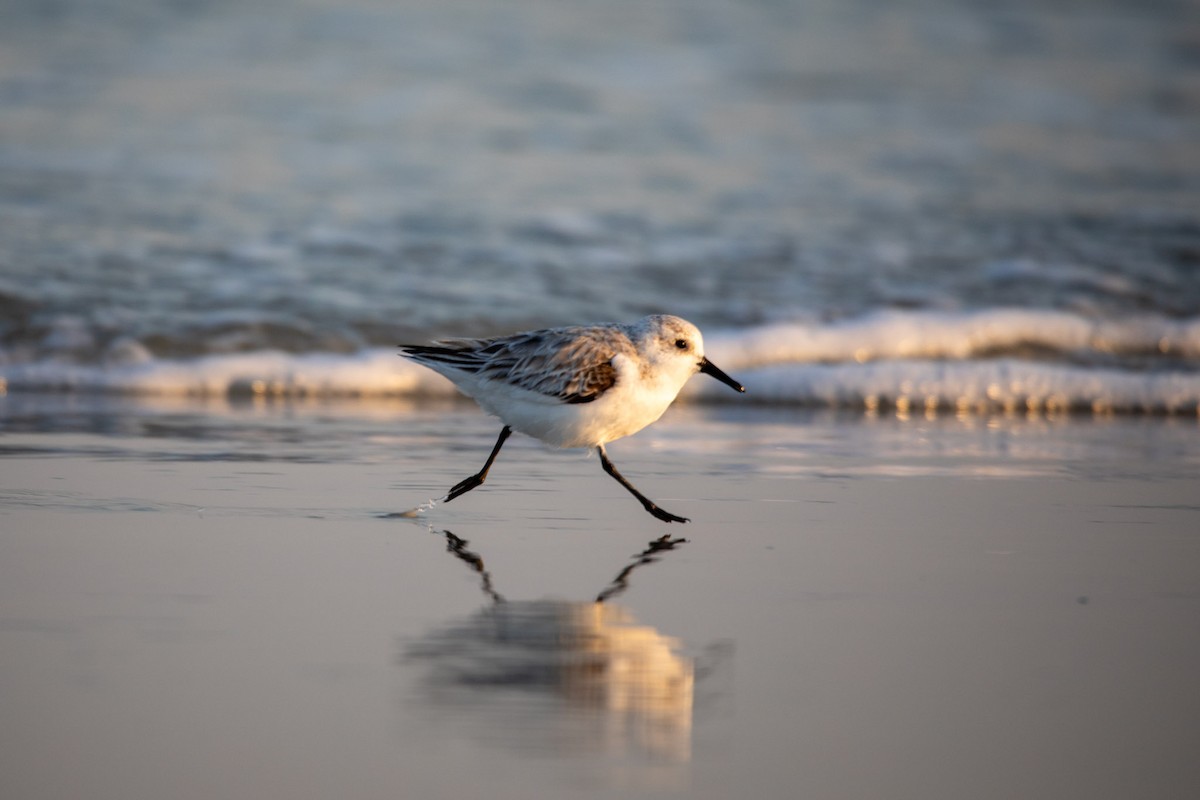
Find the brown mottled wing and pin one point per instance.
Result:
(573, 365)
(590, 383)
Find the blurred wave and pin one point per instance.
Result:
(988, 360)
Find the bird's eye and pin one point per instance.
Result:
(682, 344)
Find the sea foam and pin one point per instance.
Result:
(982, 361)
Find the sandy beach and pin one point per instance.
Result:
(200, 602)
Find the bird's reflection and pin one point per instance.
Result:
(648, 556)
(458, 547)
(562, 676)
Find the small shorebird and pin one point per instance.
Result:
(576, 386)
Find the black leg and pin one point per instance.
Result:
(462, 487)
(646, 502)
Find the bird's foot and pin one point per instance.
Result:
(665, 516)
(464, 486)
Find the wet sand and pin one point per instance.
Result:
(199, 605)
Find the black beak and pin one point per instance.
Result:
(709, 368)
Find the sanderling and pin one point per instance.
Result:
(577, 386)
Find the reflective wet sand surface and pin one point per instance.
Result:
(1004, 611)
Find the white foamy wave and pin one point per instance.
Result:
(374, 373)
(907, 335)
(968, 362)
(966, 386)
(905, 360)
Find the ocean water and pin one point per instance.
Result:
(942, 206)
